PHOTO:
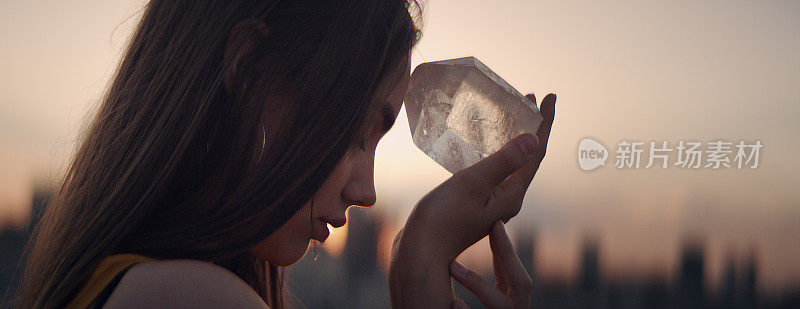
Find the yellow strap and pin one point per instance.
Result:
(103, 275)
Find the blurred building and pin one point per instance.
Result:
(691, 286)
(589, 276)
(12, 245)
(749, 282)
(727, 293)
(525, 250)
(367, 286)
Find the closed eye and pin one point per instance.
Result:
(384, 125)
(388, 118)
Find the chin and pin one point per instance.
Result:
(285, 256)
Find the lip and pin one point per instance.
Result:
(334, 222)
(321, 232)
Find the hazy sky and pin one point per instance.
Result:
(623, 70)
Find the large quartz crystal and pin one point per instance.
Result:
(459, 111)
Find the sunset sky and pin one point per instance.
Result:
(623, 70)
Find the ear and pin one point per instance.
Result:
(241, 42)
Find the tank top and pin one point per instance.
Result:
(104, 279)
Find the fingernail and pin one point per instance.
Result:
(528, 142)
(457, 269)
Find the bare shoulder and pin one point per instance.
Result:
(182, 283)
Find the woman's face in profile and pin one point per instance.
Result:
(350, 183)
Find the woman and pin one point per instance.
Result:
(232, 133)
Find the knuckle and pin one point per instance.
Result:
(397, 238)
(474, 192)
(429, 198)
(507, 200)
(471, 185)
(499, 196)
(508, 163)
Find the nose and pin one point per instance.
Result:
(360, 188)
(361, 194)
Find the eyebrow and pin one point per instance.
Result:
(388, 117)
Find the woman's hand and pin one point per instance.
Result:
(459, 212)
(512, 285)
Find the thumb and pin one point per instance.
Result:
(489, 172)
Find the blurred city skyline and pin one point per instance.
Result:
(623, 70)
(353, 274)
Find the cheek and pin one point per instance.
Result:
(289, 243)
(330, 191)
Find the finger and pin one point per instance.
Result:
(506, 199)
(532, 97)
(548, 110)
(490, 171)
(500, 279)
(459, 304)
(485, 291)
(510, 192)
(519, 281)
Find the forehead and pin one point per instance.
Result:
(400, 76)
(388, 105)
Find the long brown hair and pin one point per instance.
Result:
(172, 165)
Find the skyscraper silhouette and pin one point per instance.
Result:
(691, 291)
(727, 295)
(750, 280)
(525, 251)
(589, 279)
(367, 286)
(12, 244)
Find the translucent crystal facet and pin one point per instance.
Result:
(459, 111)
